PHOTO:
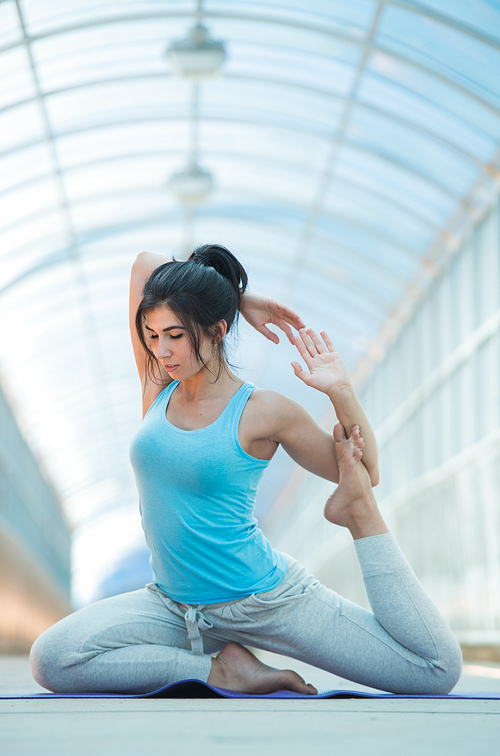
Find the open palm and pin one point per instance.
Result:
(326, 370)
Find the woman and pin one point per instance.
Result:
(204, 444)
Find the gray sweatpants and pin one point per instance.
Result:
(140, 641)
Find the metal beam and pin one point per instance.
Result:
(319, 29)
(300, 169)
(425, 11)
(89, 325)
(245, 121)
(284, 85)
(62, 256)
(301, 254)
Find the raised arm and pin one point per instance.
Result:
(326, 372)
(145, 263)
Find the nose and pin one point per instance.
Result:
(163, 350)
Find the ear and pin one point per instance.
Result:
(219, 330)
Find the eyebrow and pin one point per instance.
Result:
(170, 328)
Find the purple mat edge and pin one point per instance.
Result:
(199, 689)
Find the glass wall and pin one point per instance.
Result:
(434, 402)
(28, 506)
(34, 542)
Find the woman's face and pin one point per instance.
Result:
(169, 342)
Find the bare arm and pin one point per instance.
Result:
(275, 419)
(309, 445)
(328, 373)
(145, 263)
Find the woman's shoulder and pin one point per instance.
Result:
(272, 416)
(273, 403)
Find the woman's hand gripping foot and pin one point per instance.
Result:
(353, 505)
(236, 668)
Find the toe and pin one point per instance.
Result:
(339, 433)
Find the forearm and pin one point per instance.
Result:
(350, 412)
(145, 263)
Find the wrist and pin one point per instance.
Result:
(245, 300)
(342, 393)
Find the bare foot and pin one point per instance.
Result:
(236, 668)
(353, 505)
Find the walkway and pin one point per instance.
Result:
(352, 727)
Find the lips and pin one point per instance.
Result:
(170, 368)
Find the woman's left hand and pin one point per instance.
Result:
(327, 370)
(258, 311)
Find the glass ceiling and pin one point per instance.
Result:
(352, 143)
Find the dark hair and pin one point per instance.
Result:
(200, 291)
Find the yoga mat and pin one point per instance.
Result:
(199, 689)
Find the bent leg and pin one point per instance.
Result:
(404, 609)
(130, 643)
(401, 607)
(405, 646)
(305, 620)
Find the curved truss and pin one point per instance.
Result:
(332, 184)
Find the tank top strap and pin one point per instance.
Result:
(161, 401)
(235, 408)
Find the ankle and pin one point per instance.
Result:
(366, 522)
(216, 676)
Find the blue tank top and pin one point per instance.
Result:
(197, 491)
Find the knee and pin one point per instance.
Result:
(49, 661)
(451, 667)
(447, 671)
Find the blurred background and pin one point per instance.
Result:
(348, 152)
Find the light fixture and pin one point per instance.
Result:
(192, 185)
(197, 56)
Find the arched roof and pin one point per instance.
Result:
(352, 144)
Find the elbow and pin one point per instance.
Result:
(140, 260)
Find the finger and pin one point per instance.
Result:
(328, 341)
(316, 341)
(300, 372)
(289, 315)
(302, 349)
(308, 343)
(286, 328)
(264, 330)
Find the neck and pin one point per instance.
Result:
(203, 385)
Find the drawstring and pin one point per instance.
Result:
(196, 621)
(194, 618)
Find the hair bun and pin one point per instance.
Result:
(224, 262)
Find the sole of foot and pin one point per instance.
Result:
(236, 668)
